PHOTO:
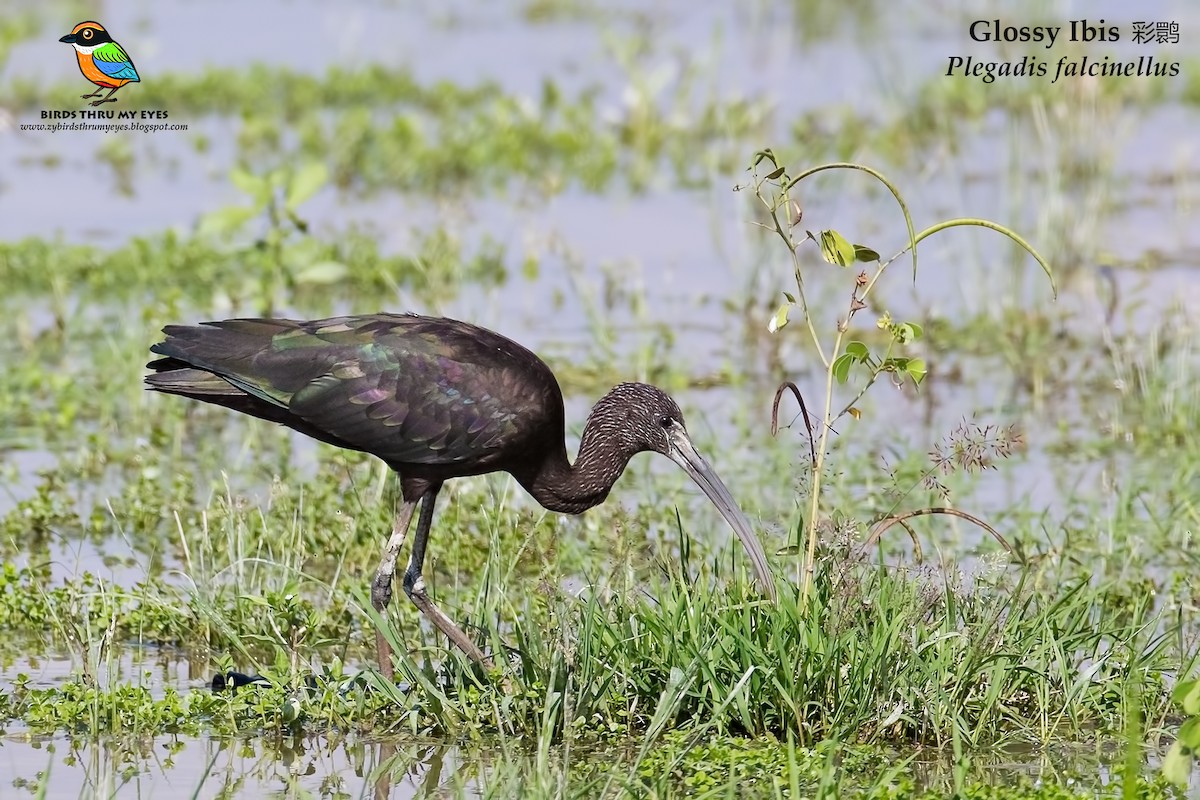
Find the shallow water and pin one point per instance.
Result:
(331, 766)
(344, 764)
(167, 766)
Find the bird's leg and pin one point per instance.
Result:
(107, 98)
(96, 93)
(381, 587)
(414, 585)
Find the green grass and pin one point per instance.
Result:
(686, 684)
(884, 656)
(234, 268)
(376, 128)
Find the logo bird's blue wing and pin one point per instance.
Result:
(111, 59)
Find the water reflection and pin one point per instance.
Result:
(335, 766)
(325, 766)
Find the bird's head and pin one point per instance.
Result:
(87, 35)
(637, 417)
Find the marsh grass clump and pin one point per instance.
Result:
(276, 91)
(231, 264)
(377, 128)
(1152, 394)
(87, 613)
(882, 657)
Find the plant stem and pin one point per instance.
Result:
(810, 553)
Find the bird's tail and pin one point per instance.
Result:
(173, 376)
(219, 359)
(176, 377)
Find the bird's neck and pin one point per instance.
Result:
(570, 488)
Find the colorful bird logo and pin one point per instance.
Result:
(101, 60)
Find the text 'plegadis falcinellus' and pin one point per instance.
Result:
(435, 399)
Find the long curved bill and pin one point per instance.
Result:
(683, 453)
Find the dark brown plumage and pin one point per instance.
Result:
(435, 399)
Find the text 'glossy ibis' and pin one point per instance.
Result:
(435, 399)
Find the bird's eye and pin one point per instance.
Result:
(665, 421)
(87, 33)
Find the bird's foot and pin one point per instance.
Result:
(414, 584)
(105, 100)
(86, 96)
(381, 591)
(414, 587)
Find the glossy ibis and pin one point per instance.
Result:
(435, 399)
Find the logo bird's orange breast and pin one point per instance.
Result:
(88, 68)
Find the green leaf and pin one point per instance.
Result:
(780, 317)
(1177, 764)
(278, 178)
(1189, 734)
(290, 711)
(1187, 696)
(767, 154)
(775, 173)
(858, 351)
(841, 367)
(906, 332)
(789, 297)
(322, 273)
(864, 253)
(306, 182)
(251, 184)
(529, 268)
(917, 369)
(225, 221)
(835, 249)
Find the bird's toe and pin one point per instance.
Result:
(381, 592)
(414, 585)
